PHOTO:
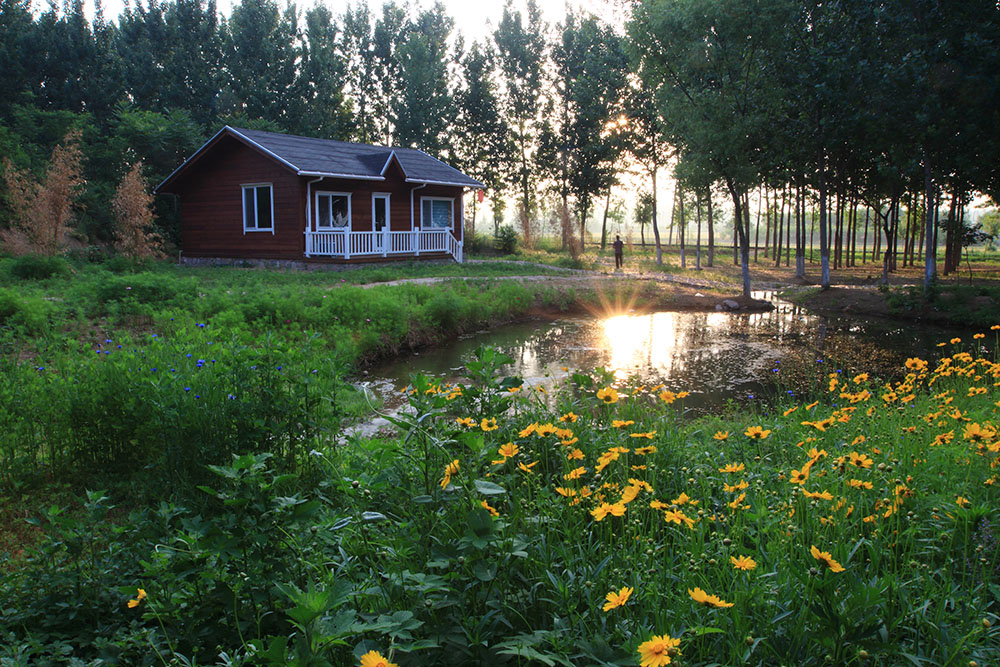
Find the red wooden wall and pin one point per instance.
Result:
(211, 203)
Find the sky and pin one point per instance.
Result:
(473, 18)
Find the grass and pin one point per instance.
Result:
(206, 512)
(501, 526)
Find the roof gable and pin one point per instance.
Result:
(338, 159)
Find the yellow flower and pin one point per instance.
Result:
(859, 484)
(449, 470)
(732, 467)
(744, 563)
(955, 341)
(642, 451)
(527, 430)
(489, 424)
(376, 659)
(527, 468)
(701, 597)
(617, 599)
(648, 436)
(658, 651)
(962, 501)
(576, 473)
(608, 395)
(466, 421)
(790, 410)
(678, 517)
(569, 417)
(140, 596)
(822, 495)
(860, 460)
(683, 499)
(668, 397)
(720, 435)
(492, 511)
(825, 558)
(566, 493)
(863, 377)
(575, 454)
(514, 390)
(757, 433)
(508, 450)
(732, 488)
(618, 423)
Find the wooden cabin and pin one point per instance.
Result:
(248, 194)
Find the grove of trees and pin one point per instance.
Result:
(802, 114)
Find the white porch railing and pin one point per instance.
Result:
(347, 244)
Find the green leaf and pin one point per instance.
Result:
(489, 488)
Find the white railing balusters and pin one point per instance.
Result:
(347, 243)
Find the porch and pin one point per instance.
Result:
(347, 244)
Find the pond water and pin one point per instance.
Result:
(716, 356)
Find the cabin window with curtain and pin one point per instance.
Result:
(258, 208)
(435, 212)
(333, 210)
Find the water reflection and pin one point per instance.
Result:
(715, 356)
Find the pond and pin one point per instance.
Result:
(717, 356)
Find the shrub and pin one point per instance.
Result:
(39, 267)
(505, 240)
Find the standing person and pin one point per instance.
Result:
(619, 252)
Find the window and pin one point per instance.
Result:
(435, 212)
(380, 211)
(333, 210)
(258, 208)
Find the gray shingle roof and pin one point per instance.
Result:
(326, 157)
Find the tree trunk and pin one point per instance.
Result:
(761, 198)
(864, 242)
(711, 230)
(800, 234)
(680, 232)
(742, 235)
(824, 246)
(656, 230)
(604, 223)
(697, 213)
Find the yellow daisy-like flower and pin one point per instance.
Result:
(376, 659)
(488, 424)
(642, 451)
(569, 417)
(564, 492)
(701, 597)
(618, 423)
(962, 501)
(733, 488)
(744, 563)
(449, 470)
(528, 467)
(140, 596)
(466, 421)
(822, 495)
(732, 467)
(576, 473)
(492, 511)
(955, 341)
(648, 436)
(508, 450)
(721, 435)
(618, 599)
(757, 433)
(790, 410)
(658, 651)
(668, 397)
(825, 558)
(608, 395)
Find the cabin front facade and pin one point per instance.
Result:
(248, 194)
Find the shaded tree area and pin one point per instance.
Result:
(827, 124)
(884, 111)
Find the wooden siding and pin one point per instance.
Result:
(211, 204)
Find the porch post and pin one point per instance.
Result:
(347, 242)
(385, 237)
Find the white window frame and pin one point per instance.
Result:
(243, 196)
(451, 203)
(388, 217)
(328, 193)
